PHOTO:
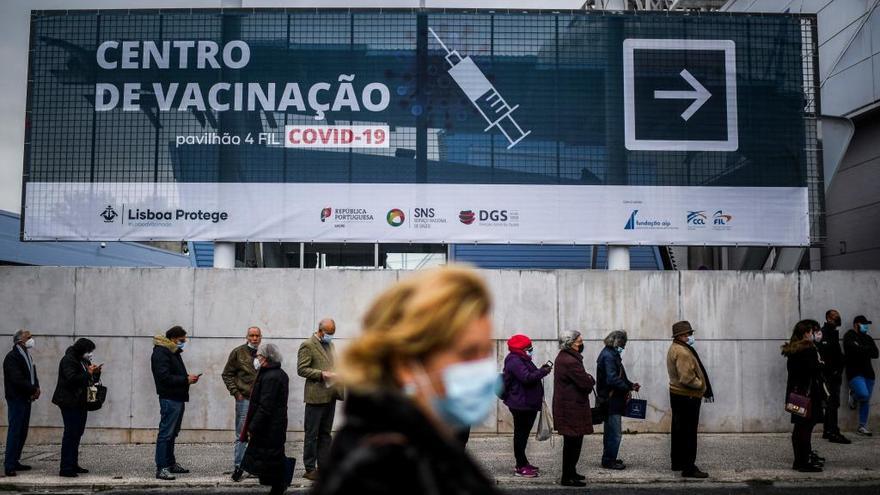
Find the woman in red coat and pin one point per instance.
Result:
(571, 403)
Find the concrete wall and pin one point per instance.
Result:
(741, 319)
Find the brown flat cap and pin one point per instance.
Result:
(681, 327)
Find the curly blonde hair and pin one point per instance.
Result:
(414, 318)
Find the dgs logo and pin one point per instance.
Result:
(493, 215)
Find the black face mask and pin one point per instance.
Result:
(580, 348)
(836, 322)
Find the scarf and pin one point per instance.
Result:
(709, 396)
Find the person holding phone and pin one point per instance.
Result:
(523, 395)
(76, 374)
(172, 386)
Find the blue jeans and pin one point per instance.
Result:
(19, 419)
(171, 416)
(241, 410)
(74, 427)
(611, 439)
(862, 389)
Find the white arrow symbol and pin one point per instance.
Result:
(700, 95)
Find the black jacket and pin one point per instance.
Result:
(169, 372)
(388, 446)
(73, 379)
(829, 349)
(860, 349)
(17, 378)
(612, 385)
(267, 425)
(805, 378)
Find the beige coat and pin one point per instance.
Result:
(685, 376)
(312, 359)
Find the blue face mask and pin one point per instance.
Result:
(863, 327)
(691, 340)
(470, 393)
(181, 345)
(620, 350)
(530, 352)
(327, 338)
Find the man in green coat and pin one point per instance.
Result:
(238, 376)
(315, 363)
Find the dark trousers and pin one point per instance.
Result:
(571, 453)
(19, 419)
(523, 421)
(74, 427)
(802, 443)
(171, 417)
(831, 426)
(462, 436)
(318, 425)
(685, 421)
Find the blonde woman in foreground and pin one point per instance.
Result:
(422, 369)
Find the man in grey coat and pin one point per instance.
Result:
(315, 363)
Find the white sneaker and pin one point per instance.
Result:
(864, 431)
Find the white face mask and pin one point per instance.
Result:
(89, 355)
(30, 343)
(257, 364)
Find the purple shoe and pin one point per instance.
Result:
(534, 468)
(525, 472)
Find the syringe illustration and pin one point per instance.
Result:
(483, 95)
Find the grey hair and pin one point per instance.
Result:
(323, 324)
(270, 352)
(17, 337)
(617, 338)
(567, 338)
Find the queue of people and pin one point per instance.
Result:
(418, 377)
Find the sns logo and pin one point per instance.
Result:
(395, 217)
(696, 218)
(109, 214)
(720, 218)
(326, 213)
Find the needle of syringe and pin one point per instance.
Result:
(440, 41)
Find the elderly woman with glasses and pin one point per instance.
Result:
(571, 403)
(265, 428)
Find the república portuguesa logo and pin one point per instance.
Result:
(109, 214)
(395, 217)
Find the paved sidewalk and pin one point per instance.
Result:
(732, 460)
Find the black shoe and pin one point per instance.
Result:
(839, 438)
(177, 469)
(10, 473)
(814, 456)
(68, 474)
(22, 467)
(81, 470)
(807, 468)
(237, 474)
(165, 474)
(572, 482)
(616, 466)
(579, 477)
(694, 473)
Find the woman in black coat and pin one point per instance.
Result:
(76, 374)
(265, 427)
(805, 378)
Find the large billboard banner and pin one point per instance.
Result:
(420, 126)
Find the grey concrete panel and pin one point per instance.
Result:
(850, 292)
(763, 376)
(133, 302)
(740, 305)
(115, 353)
(40, 299)
(524, 302)
(345, 295)
(144, 401)
(645, 304)
(281, 302)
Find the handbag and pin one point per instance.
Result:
(599, 412)
(636, 408)
(95, 397)
(545, 427)
(799, 405)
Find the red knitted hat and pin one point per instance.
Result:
(519, 342)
